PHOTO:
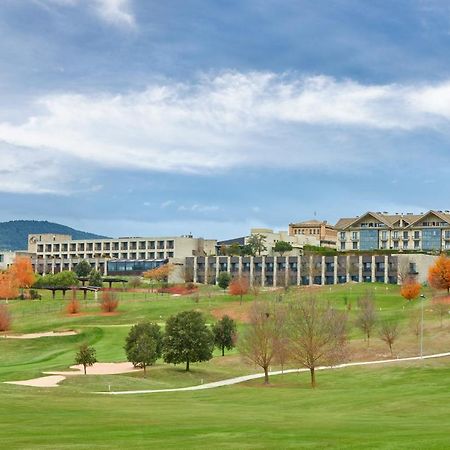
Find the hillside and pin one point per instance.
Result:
(14, 234)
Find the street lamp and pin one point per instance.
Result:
(422, 299)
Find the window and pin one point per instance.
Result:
(384, 235)
(395, 244)
(416, 234)
(416, 244)
(405, 244)
(405, 235)
(354, 235)
(355, 246)
(395, 235)
(342, 235)
(342, 245)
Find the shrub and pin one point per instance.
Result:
(5, 318)
(109, 302)
(73, 307)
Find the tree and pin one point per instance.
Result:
(187, 339)
(282, 341)
(8, 287)
(239, 286)
(282, 247)
(224, 333)
(109, 301)
(441, 308)
(143, 345)
(61, 279)
(22, 273)
(439, 274)
(234, 249)
(159, 274)
(223, 280)
(258, 341)
(410, 289)
(95, 278)
(257, 242)
(318, 334)
(85, 356)
(366, 318)
(247, 250)
(5, 318)
(389, 332)
(83, 269)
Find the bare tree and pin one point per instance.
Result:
(415, 321)
(318, 334)
(404, 270)
(441, 308)
(282, 341)
(389, 332)
(367, 316)
(258, 343)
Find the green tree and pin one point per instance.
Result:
(224, 333)
(95, 278)
(83, 268)
(257, 242)
(247, 250)
(149, 349)
(187, 339)
(282, 247)
(234, 249)
(61, 279)
(223, 280)
(85, 356)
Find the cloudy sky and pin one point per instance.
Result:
(148, 117)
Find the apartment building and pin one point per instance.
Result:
(425, 232)
(314, 269)
(320, 229)
(54, 253)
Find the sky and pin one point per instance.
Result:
(144, 118)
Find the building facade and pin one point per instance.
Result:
(271, 237)
(54, 253)
(428, 232)
(278, 271)
(321, 230)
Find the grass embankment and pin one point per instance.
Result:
(401, 406)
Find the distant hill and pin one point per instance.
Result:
(14, 234)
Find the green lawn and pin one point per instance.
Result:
(405, 405)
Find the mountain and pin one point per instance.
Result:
(14, 234)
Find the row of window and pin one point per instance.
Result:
(105, 246)
(395, 235)
(118, 255)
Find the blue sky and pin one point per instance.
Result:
(142, 117)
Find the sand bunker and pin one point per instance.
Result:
(40, 382)
(40, 335)
(54, 378)
(99, 369)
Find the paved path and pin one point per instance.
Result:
(255, 376)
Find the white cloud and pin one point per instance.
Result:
(115, 12)
(223, 122)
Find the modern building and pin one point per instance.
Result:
(271, 237)
(425, 232)
(314, 269)
(131, 255)
(7, 258)
(320, 229)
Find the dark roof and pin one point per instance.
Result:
(239, 241)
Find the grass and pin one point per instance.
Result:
(398, 406)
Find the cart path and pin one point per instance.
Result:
(242, 379)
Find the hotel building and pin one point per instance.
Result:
(427, 232)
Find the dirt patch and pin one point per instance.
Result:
(98, 369)
(40, 335)
(238, 312)
(51, 381)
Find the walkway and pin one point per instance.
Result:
(255, 376)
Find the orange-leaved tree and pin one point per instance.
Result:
(22, 273)
(8, 287)
(439, 273)
(159, 274)
(239, 286)
(410, 289)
